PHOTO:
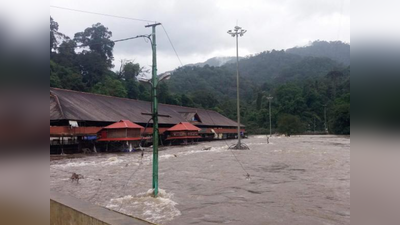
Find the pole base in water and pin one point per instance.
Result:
(239, 146)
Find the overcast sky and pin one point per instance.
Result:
(198, 28)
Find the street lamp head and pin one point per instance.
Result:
(164, 76)
(237, 28)
(237, 31)
(144, 80)
(231, 33)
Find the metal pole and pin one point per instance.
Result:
(237, 86)
(270, 125)
(155, 109)
(270, 120)
(235, 33)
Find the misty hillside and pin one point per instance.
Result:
(215, 61)
(335, 50)
(269, 68)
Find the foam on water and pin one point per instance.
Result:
(259, 136)
(145, 206)
(112, 161)
(167, 156)
(74, 164)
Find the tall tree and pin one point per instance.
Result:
(53, 34)
(95, 63)
(97, 38)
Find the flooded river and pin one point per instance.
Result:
(293, 180)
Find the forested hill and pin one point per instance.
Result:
(335, 50)
(300, 80)
(261, 72)
(300, 85)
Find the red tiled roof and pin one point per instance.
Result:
(123, 124)
(184, 126)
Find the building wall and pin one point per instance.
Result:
(66, 210)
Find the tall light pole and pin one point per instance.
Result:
(238, 31)
(270, 121)
(155, 107)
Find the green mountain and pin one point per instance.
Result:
(300, 84)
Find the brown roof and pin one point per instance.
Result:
(81, 106)
(184, 126)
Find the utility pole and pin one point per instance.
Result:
(155, 107)
(270, 121)
(235, 33)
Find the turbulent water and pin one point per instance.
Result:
(293, 180)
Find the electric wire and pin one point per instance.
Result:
(113, 41)
(247, 174)
(102, 14)
(173, 47)
(141, 160)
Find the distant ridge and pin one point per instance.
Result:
(216, 61)
(335, 50)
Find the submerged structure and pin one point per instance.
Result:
(123, 130)
(124, 134)
(77, 117)
(183, 132)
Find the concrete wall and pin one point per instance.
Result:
(67, 210)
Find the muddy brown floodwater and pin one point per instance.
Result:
(293, 180)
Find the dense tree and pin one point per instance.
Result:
(340, 121)
(144, 92)
(129, 70)
(186, 101)
(110, 86)
(132, 88)
(63, 77)
(66, 55)
(290, 124)
(163, 93)
(204, 99)
(290, 98)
